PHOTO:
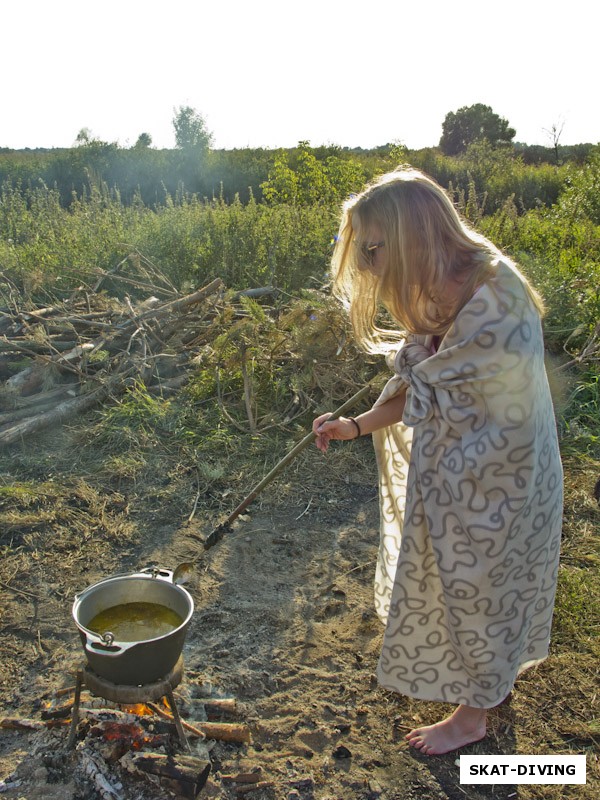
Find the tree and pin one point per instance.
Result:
(193, 141)
(471, 124)
(144, 140)
(83, 137)
(191, 133)
(555, 133)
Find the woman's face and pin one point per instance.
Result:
(371, 250)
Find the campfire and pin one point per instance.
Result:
(109, 745)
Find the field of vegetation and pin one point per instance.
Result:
(254, 219)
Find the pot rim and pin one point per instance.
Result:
(165, 576)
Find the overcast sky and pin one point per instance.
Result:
(270, 73)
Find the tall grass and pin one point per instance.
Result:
(44, 246)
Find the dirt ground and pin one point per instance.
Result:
(284, 622)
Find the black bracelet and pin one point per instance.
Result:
(357, 427)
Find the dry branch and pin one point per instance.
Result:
(19, 724)
(243, 777)
(114, 349)
(56, 416)
(24, 724)
(184, 302)
(252, 787)
(589, 353)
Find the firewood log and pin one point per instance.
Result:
(187, 775)
(222, 731)
(220, 705)
(225, 731)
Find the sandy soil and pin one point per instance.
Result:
(284, 622)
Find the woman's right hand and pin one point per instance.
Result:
(341, 428)
(380, 416)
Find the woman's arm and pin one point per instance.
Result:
(343, 428)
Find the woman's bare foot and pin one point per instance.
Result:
(464, 726)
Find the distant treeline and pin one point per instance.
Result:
(155, 176)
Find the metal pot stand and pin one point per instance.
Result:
(123, 694)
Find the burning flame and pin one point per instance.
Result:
(141, 709)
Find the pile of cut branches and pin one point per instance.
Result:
(61, 359)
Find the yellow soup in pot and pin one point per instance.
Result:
(135, 622)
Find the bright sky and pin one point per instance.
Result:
(269, 73)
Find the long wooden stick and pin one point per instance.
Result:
(218, 532)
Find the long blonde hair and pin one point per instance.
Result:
(427, 244)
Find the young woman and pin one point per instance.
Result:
(469, 468)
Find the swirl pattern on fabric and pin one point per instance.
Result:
(471, 505)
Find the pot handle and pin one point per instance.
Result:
(106, 644)
(159, 573)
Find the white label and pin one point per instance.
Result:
(522, 769)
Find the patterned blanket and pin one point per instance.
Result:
(471, 505)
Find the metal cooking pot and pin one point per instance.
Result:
(133, 663)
